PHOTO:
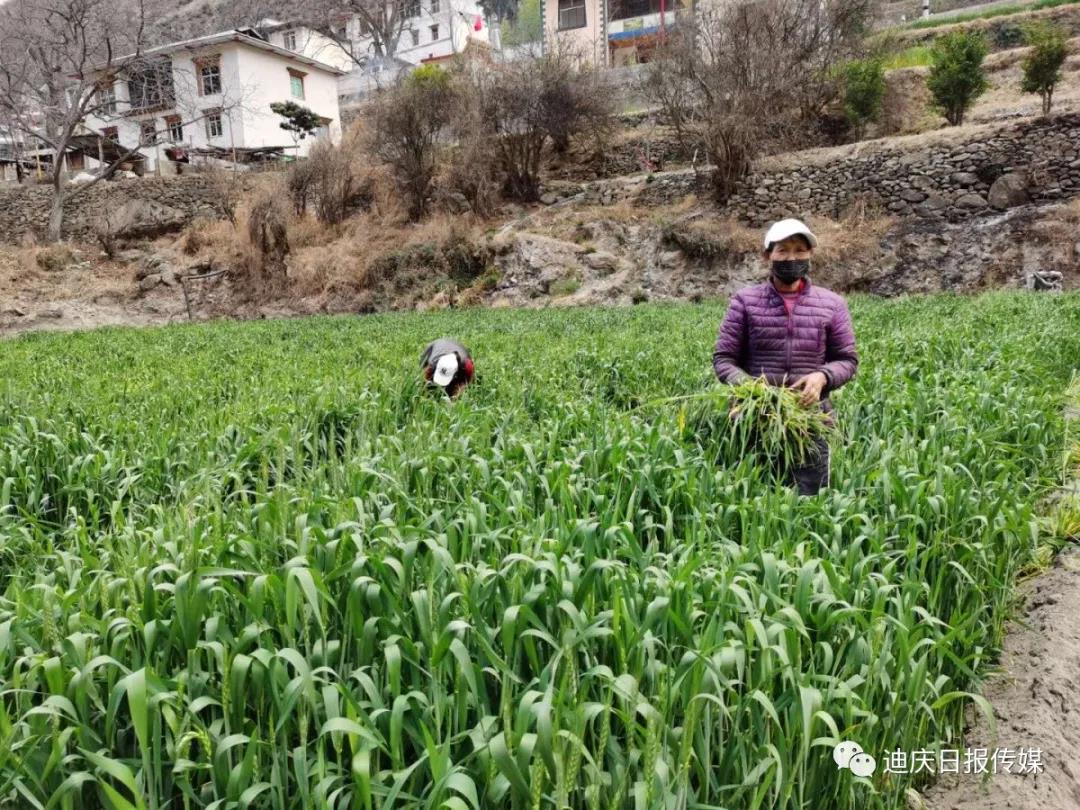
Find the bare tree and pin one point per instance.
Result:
(60, 64)
(753, 75)
(530, 102)
(410, 122)
(49, 50)
(381, 23)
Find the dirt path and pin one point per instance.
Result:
(1036, 701)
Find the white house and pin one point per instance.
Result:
(431, 31)
(213, 95)
(435, 30)
(330, 50)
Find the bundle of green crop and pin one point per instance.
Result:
(754, 419)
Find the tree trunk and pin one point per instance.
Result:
(56, 213)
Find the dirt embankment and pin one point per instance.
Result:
(1036, 702)
(559, 255)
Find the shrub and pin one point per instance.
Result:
(564, 286)
(1006, 36)
(410, 120)
(737, 89)
(956, 75)
(268, 232)
(522, 106)
(54, 258)
(335, 189)
(864, 91)
(298, 181)
(1042, 65)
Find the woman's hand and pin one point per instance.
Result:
(811, 386)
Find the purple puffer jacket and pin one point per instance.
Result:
(757, 337)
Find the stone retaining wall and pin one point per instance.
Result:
(1037, 160)
(25, 209)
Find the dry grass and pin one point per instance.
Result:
(89, 277)
(332, 260)
(847, 246)
(568, 222)
(853, 239)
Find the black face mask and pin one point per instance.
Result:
(790, 270)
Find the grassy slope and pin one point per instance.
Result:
(287, 558)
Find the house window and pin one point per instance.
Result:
(415, 37)
(434, 32)
(290, 40)
(341, 33)
(111, 134)
(210, 79)
(176, 128)
(213, 124)
(107, 100)
(296, 83)
(147, 133)
(151, 85)
(571, 14)
(410, 8)
(434, 6)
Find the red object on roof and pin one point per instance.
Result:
(478, 24)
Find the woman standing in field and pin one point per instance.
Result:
(793, 332)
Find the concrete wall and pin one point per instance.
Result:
(270, 74)
(314, 45)
(587, 41)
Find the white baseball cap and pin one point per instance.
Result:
(445, 369)
(779, 231)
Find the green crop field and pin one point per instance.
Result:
(253, 565)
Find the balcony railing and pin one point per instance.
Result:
(623, 9)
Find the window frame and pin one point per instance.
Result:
(415, 34)
(289, 37)
(174, 127)
(435, 32)
(210, 70)
(144, 139)
(213, 117)
(107, 99)
(572, 6)
(151, 86)
(296, 79)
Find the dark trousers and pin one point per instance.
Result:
(813, 474)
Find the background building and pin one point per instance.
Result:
(213, 95)
(611, 32)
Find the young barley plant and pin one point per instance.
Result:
(252, 565)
